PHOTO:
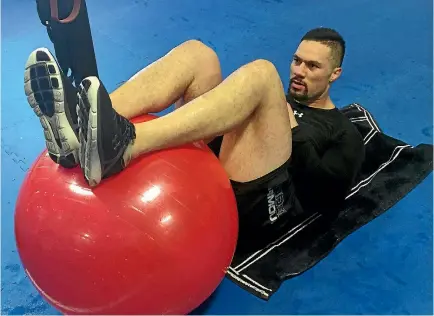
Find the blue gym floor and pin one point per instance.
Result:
(384, 268)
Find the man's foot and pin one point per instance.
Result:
(53, 99)
(104, 134)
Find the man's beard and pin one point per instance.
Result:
(303, 97)
(299, 97)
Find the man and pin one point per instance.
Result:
(279, 165)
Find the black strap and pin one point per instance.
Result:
(76, 5)
(68, 27)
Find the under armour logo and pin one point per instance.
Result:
(298, 114)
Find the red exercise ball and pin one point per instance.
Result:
(156, 238)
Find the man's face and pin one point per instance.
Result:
(311, 72)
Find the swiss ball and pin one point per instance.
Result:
(156, 238)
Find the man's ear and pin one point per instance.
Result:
(335, 74)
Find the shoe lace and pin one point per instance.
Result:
(128, 132)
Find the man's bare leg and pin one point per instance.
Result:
(186, 72)
(249, 107)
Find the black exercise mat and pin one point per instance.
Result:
(391, 170)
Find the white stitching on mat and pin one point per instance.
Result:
(248, 284)
(360, 185)
(282, 242)
(370, 116)
(257, 283)
(271, 244)
(358, 119)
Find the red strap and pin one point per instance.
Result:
(74, 13)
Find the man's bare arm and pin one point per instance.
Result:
(292, 119)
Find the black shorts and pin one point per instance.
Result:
(267, 206)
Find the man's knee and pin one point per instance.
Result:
(204, 56)
(267, 75)
(268, 82)
(265, 68)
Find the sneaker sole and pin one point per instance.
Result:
(87, 111)
(49, 105)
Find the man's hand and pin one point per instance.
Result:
(292, 119)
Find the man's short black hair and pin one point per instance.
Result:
(332, 39)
